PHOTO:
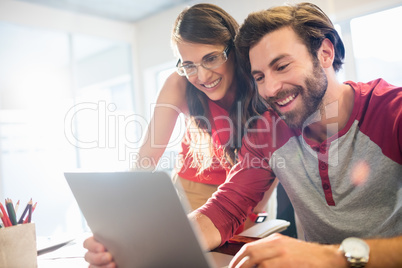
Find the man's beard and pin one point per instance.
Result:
(315, 87)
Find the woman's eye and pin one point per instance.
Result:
(188, 66)
(211, 59)
(258, 78)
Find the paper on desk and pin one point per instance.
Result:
(266, 228)
(70, 247)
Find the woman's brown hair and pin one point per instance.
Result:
(210, 24)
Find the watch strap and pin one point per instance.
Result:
(356, 262)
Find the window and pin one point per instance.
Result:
(376, 41)
(44, 75)
(341, 73)
(169, 157)
(103, 103)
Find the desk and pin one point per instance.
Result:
(67, 256)
(72, 253)
(234, 244)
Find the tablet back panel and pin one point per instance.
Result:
(138, 217)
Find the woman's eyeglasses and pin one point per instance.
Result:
(209, 62)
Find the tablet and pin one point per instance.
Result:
(139, 217)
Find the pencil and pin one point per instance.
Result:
(5, 218)
(29, 213)
(17, 206)
(33, 209)
(1, 217)
(25, 211)
(11, 211)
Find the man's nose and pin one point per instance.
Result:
(270, 87)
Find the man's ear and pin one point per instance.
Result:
(326, 53)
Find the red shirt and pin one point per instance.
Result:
(215, 174)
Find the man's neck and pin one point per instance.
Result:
(333, 115)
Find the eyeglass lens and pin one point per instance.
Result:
(209, 63)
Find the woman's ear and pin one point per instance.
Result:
(326, 53)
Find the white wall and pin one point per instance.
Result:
(40, 16)
(33, 15)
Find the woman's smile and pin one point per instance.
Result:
(212, 85)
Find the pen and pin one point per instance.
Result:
(11, 211)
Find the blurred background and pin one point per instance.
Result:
(78, 79)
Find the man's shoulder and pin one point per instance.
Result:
(377, 95)
(375, 88)
(378, 110)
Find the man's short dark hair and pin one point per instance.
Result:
(309, 22)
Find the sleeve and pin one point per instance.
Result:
(381, 116)
(243, 189)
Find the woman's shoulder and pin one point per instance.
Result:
(173, 92)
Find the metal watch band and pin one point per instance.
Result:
(356, 262)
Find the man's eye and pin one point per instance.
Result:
(282, 67)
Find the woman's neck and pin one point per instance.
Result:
(227, 101)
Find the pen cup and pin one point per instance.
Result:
(18, 246)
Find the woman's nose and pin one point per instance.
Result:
(203, 74)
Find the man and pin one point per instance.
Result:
(336, 148)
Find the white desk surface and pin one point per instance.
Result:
(67, 256)
(72, 255)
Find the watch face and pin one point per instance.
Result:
(355, 247)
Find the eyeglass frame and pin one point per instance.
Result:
(225, 53)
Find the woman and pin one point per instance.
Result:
(214, 97)
(210, 89)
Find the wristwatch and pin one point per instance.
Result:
(356, 252)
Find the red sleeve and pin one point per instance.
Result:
(229, 206)
(244, 188)
(380, 115)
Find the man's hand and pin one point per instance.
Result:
(282, 251)
(97, 256)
